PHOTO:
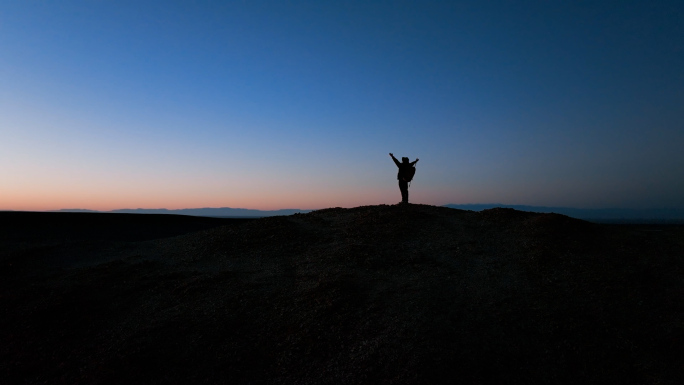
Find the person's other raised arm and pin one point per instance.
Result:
(414, 162)
(394, 159)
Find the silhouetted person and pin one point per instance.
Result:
(405, 174)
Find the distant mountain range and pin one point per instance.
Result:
(202, 212)
(615, 215)
(595, 215)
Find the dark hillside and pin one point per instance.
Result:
(377, 294)
(33, 240)
(39, 226)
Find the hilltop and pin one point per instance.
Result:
(375, 294)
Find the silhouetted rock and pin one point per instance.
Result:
(375, 294)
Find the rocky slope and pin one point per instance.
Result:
(378, 294)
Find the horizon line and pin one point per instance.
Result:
(299, 209)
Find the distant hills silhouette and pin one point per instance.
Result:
(203, 212)
(612, 215)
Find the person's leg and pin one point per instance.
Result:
(403, 187)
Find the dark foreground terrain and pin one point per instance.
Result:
(377, 294)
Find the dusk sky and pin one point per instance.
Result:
(296, 104)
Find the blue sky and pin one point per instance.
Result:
(284, 104)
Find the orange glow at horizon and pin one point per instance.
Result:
(293, 199)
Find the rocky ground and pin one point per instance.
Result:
(398, 294)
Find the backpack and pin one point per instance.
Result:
(408, 173)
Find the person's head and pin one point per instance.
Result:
(404, 159)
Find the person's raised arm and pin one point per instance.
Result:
(414, 162)
(394, 159)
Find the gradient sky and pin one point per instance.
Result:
(296, 104)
